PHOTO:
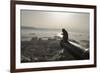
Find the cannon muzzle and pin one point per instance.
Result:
(76, 51)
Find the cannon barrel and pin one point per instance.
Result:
(76, 51)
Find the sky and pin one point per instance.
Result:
(57, 20)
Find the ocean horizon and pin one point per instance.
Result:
(28, 34)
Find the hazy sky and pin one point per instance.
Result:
(47, 19)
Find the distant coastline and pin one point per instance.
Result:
(52, 29)
(36, 28)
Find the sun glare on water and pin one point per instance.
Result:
(60, 35)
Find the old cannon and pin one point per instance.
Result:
(77, 51)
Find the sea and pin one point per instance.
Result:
(81, 38)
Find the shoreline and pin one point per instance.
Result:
(42, 50)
